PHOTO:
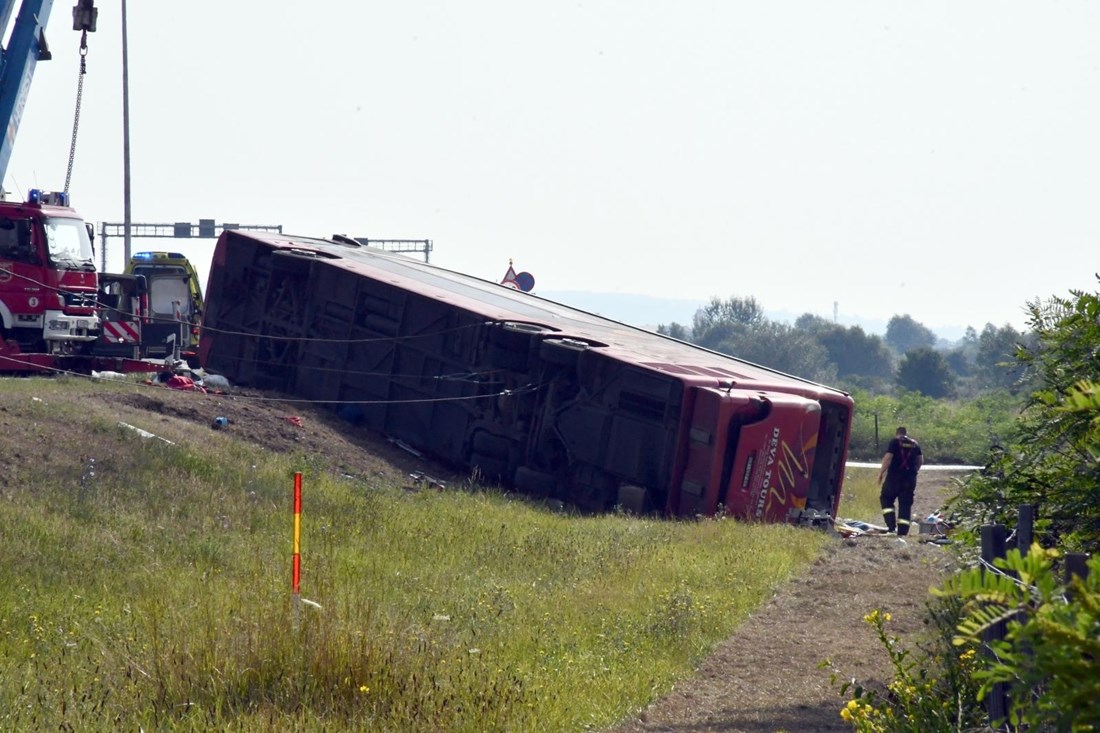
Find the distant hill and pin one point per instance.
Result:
(636, 310)
(649, 312)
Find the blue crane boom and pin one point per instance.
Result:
(26, 47)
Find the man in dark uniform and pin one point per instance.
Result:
(900, 465)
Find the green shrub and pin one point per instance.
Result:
(949, 431)
(1053, 458)
(1048, 656)
(932, 689)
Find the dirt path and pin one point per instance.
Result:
(766, 678)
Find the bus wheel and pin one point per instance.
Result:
(530, 481)
(488, 470)
(485, 443)
(562, 352)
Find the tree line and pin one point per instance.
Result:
(1025, 624)
(1046, 456)
(910, 357)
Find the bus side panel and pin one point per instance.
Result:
(383, 356)
(622, 428)
(238, 290)
(596, 415)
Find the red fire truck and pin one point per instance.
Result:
(56, 311)
(48, 281)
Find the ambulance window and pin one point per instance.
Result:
(169, 295)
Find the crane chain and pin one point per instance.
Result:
(79, 96)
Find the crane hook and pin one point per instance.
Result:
(85, 14)
(84, 19)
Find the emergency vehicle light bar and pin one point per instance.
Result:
(155, 255)
(47, 198)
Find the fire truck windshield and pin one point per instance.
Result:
(68, 242)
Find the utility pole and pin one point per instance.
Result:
(125, 141)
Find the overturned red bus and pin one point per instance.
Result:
(530, 393)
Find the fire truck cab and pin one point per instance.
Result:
(47, 276)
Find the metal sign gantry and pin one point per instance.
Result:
(205, 229)
(422, 246)
(208, 229)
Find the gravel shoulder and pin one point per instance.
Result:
(767, 677)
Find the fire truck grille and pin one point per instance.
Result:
(78, 299)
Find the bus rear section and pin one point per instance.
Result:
(762, 455)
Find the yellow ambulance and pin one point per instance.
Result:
(175, 294)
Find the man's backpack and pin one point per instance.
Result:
(907, 455)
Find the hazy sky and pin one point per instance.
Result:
(940, 159)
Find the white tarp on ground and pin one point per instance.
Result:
(925, 467)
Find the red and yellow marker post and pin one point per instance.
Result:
(296, 572)
(296, 562)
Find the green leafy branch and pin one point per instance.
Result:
(1049, 651)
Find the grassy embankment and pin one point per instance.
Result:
(150, 589)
